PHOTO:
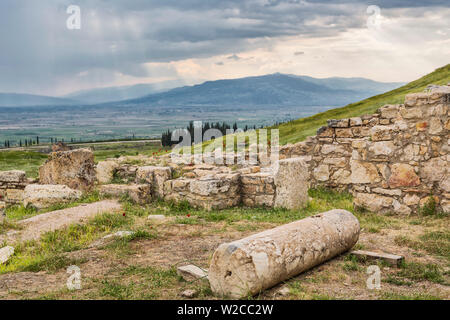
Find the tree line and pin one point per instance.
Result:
(166, 138)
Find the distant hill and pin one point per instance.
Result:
(102, 95)
(27, 100)
(298, 130)
(269, 90)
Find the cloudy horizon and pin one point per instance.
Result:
(136, 41)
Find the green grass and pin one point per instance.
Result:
(436, 243)
(299, 130)
(30, 161)
(48, 253)
(22, 160)
(19, 212)
(322, 200)
(151, 283)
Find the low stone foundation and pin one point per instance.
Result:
(12, 186)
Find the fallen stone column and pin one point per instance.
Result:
(256, 263)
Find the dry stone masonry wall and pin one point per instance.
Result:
(392, 161)
(12, 186)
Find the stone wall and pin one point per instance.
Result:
(392, 161)
(12, 186)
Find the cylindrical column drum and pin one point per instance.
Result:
(263, 260)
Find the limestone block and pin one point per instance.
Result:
(75, 169)
(344, 123)
(44, 196)
(156, 177)
(191, 273)
(364, 172)
(390, 111)
(322, 172)
(256, 263)
(434, 169)
(105, 171)
(403, 175)
(5, 254)
(14, 195)
(382, 148)
(291, 182)
(14, 176)
(381, 133)
(342, 176)
(333, 148)
(139, 193)
(372, 202)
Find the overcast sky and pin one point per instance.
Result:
(125, 42)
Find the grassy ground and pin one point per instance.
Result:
(143, 266)
(30, 161)
(300, 129)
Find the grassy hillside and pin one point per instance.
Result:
(298, 130)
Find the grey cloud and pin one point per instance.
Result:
(39, 54)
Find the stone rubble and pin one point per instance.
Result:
(5, 254)
(44, 196)
(75, 169)
(191, 273)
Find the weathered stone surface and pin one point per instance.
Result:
(389, 111)
(392, 259)
(253, 264)
(75, 169)
(411, 200)
(434, 169)
(364, 172)
(372, 202)
(381, 133)
(218, 191)
(342, 176)
(191, 273)
(383, 148)
(44, 196)
(291, 181)
(401, 209)
(435, 126)
(344, 123)
(388, 192)
(156, 177)
(403, 175)
(14, 176)
(105, 171)
(189, 293)
(139, 193)
(34, 227)
(5, 254)
(14, 196)
(333, 148)
(322, 172)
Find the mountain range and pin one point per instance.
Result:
(269, 90)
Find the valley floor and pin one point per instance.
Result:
(143, 266)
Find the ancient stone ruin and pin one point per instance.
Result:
(391, 161)
(74, 169)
